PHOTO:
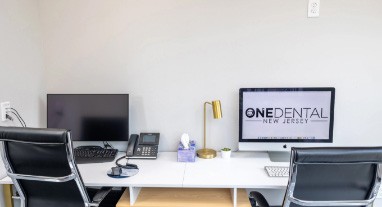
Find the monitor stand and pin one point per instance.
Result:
(277, 156)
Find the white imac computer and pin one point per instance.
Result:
(276, 119)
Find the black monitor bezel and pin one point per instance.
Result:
(81, 94)
(331, 122)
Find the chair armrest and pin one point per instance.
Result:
(100, 195)
(256, 197)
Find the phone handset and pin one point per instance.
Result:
(131, 145)
(144, 146)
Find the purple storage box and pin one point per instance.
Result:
(187, 155)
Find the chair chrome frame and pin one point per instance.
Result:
(74, 175)
(289, 198)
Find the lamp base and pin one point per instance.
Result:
(206, 153)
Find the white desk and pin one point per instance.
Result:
(243, 170)
(162, 172)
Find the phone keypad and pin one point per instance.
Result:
(147, 151)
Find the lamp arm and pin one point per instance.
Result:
(205, 134)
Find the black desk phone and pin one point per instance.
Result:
(144, 146)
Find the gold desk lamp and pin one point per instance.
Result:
(217, 112)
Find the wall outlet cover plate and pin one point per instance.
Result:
(3, 110)
(314, 8)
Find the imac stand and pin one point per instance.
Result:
(279, 156)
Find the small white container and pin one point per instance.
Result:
(226, 154)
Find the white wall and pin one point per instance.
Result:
(171, 56)
(21, 63)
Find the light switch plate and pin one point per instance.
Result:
(314, 8)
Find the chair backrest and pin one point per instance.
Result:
(333, 176)
(41, 165)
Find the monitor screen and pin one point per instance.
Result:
(90, 117)
(286, 114)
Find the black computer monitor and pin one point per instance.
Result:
(90, 117)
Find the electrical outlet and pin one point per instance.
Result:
(314, 8)
(3, 110)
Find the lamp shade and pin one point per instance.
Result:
(217, 109)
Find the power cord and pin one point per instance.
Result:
(107, 145)
(22, 124)
(14, 110)
(127, 165)
(119, 159)
(17, 115)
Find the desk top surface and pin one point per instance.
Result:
(242, 170)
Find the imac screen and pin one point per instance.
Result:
(286, 114)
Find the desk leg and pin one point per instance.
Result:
(8, 195)
(134, 192)
(234, 196)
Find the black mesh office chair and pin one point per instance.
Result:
(41, 165)
(331, 177)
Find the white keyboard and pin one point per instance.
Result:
(277, 171)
